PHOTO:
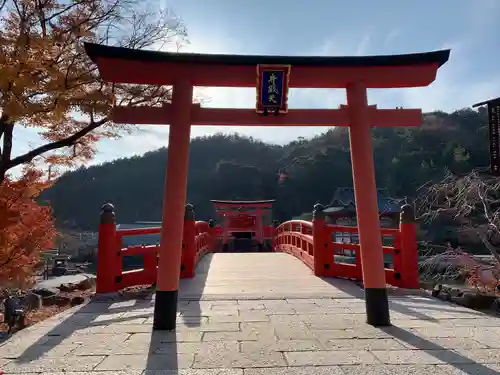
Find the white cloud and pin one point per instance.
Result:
(452, 88)
(484, 14)
(450, 91)
(393, 35)
(363, 45)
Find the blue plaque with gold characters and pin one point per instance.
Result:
(272, 88)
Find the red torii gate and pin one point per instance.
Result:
(185, 70)
(253, 210)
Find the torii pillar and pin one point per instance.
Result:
(174, 200)
(367, 212)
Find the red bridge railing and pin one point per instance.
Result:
(197, 241)
(313, 243)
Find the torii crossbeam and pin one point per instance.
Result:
(185, 70)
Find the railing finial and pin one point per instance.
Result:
(189, 212)
(318, 211)
(407, 215)
(108, 215)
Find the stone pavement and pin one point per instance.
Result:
(264, 332)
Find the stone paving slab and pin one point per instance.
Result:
(263, 335)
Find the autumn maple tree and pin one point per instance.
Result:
(50, 89)
(49, 85)
(26, 229)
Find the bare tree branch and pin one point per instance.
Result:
(2, 4)
(66, 142)
(471, 202)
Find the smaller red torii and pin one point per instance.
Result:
(243, 216)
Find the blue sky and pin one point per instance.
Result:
(336, 28)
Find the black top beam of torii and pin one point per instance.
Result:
(480, 104)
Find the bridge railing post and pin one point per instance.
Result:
(188, 259)
(151, 266)
(409, 248)
(212, 230)
(322, 261)
(106, 251)
(274, 234)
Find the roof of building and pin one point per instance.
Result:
(343, 199)
(98, 50)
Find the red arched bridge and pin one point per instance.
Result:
(311, 242)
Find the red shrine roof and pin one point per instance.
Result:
(125, 65)
(243, 203)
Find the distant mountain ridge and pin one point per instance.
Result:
(236, 167)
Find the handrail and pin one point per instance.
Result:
(290, 238)
(314, 243)
(138, 231)
(304, 223)
(353, 229)
(110, 275)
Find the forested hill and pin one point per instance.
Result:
(234, 167)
